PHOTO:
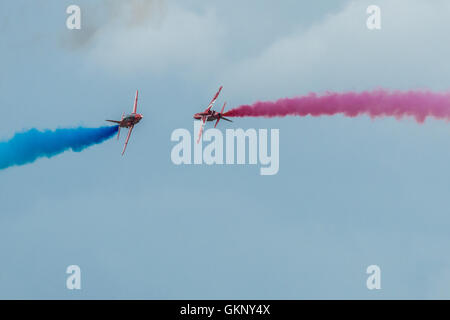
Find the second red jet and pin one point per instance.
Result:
(210, 115)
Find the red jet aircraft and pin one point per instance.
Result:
(128, 121)
(210, 115)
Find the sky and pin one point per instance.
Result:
(350, 192)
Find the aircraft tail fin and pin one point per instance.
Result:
(135, 102)
(118, 131)
(223, 108)
(220, 116)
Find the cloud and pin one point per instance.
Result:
(167, 39)
(337, 52)
(341, 53)
(124, 14)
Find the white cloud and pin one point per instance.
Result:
(178, 39)
(336, 53)
(340, 53)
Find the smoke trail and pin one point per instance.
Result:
(377, 103)
(26, 147)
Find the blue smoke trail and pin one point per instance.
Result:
(26, 147)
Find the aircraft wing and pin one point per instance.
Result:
(135, 102)
(214, 99)
(201, 129)
(128, 138)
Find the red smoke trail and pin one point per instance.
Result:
(376, 103)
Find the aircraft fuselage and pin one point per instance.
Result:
(210, 116)
(130, 120)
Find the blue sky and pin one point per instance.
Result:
(349, 192)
